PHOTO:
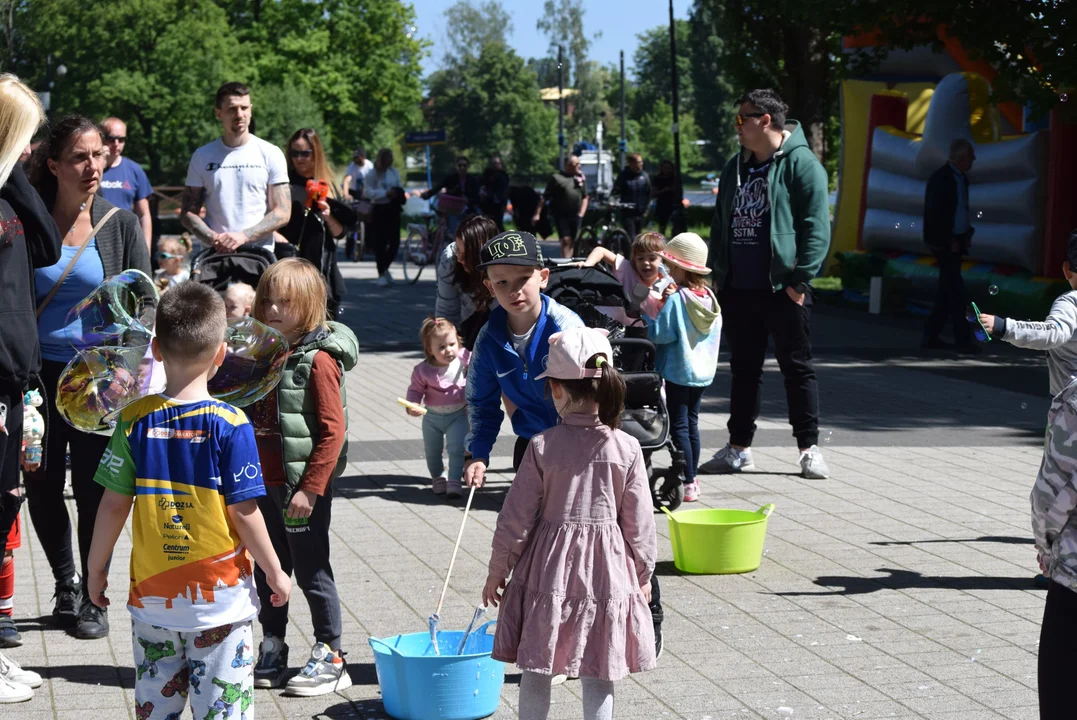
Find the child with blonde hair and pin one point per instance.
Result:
(302, 433)
(577, 535)
(238, 299)
(173, 268)
(638, 275)
(439, 382)
(687, 332)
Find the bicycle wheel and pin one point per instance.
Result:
(617, 241)
(586, 241)
(414, 256)
(360, 241)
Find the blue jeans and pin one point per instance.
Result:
(682, 402)
(440, 431)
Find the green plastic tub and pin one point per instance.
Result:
(718, 542)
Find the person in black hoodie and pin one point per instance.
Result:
(66, 171)
(28, 239)
(314, 233)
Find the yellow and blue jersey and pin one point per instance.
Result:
(184, 463)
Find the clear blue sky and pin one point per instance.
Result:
(618, 20)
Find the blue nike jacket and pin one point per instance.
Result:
(496, 368)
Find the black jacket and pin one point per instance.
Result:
(468, 189)
(29, 239)
(633, 188)
(940, 205)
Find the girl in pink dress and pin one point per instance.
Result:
(577, 534)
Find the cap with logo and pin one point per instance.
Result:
(511, 248)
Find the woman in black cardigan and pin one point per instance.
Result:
(66, 171)
(314, 233)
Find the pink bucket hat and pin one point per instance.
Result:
(571, 349)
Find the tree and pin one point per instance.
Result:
(654, 78)
(280, 110)
(563, 25)
(656, 136)
(490, 104)
(545, 69)
(713, 95)
(156, 64)
(471, 25)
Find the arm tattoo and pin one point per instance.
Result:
(193, 197)
(280, 211)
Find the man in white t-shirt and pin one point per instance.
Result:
(355, 174)
(242, 181)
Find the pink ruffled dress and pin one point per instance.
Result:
(577, 533)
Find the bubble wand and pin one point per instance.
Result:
(434, 619)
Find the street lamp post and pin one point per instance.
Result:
(678, 222)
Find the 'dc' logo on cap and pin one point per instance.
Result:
(509, 245)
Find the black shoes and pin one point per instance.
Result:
(68, 598)
(92, 623)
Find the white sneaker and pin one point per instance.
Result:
(324, 673)
(382, 281)
(14, 692)
(727, 460)
(812, 465)
(13, 672)
(388, 277)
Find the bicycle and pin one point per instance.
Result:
(605, 233)
(422, 247)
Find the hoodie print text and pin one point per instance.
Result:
(749, 247)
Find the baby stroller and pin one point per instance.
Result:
(644, 417)
(219, 270)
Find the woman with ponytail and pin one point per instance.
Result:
(577, 535)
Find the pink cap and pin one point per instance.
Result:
(571, 349)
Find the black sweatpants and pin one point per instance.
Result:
(656, 594)
(385, 235)
(950, 301)
(306, 554)
(10, 448)
(633, 225)
(1058, 653)
(749, 318)
(45, 486)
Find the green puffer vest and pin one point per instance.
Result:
(298, 417)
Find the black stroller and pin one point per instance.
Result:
(219, 270)
(645, 417)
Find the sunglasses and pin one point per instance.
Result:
(972, 314)
(167, 256)
(115, 138)
(741, 116)
(300, 153)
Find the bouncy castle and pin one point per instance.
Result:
(897, 126)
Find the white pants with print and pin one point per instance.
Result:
(213, 669)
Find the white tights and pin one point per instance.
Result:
(535, 697)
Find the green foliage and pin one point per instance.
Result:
(656, 138)
(562, 22)
(346, 67)
(470, 26)
(489, 104)
(654, 79)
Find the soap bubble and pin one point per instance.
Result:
(1064, 97)
(254, 363)
(980, 213)
(1024, 406)
(1061, 51)
(119, 312)
(992, 290)
(101, 381)
(897, 226)
(829, 436)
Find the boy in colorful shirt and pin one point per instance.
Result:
(189, 465)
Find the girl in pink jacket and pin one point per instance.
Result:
(577, 534)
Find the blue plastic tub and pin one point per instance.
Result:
(416, 684)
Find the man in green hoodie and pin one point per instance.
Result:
(769, 237)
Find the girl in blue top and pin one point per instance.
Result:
(687, 332)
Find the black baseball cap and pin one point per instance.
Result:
(511, 248)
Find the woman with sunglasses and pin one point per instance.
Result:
(313, 232)
(99, 241)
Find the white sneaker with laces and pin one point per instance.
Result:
(812, 465)
(13, 672)
(382, 281)
(727, 460)
(324, 673)
(14, 692)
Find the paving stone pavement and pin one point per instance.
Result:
(900, 588)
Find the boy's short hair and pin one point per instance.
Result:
(190, 322)
(1071, 250)
(647, 242)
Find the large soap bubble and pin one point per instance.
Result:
(111, 332)
(254, 363)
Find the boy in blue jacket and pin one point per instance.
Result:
(511, 350)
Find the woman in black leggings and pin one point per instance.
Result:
(382, 186)
(66, 171)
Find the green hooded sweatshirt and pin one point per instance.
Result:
(299, 426)
(799, 213)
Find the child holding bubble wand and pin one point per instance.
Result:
(577, 535)
(301, 428)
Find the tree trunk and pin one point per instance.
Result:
(807, 76)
